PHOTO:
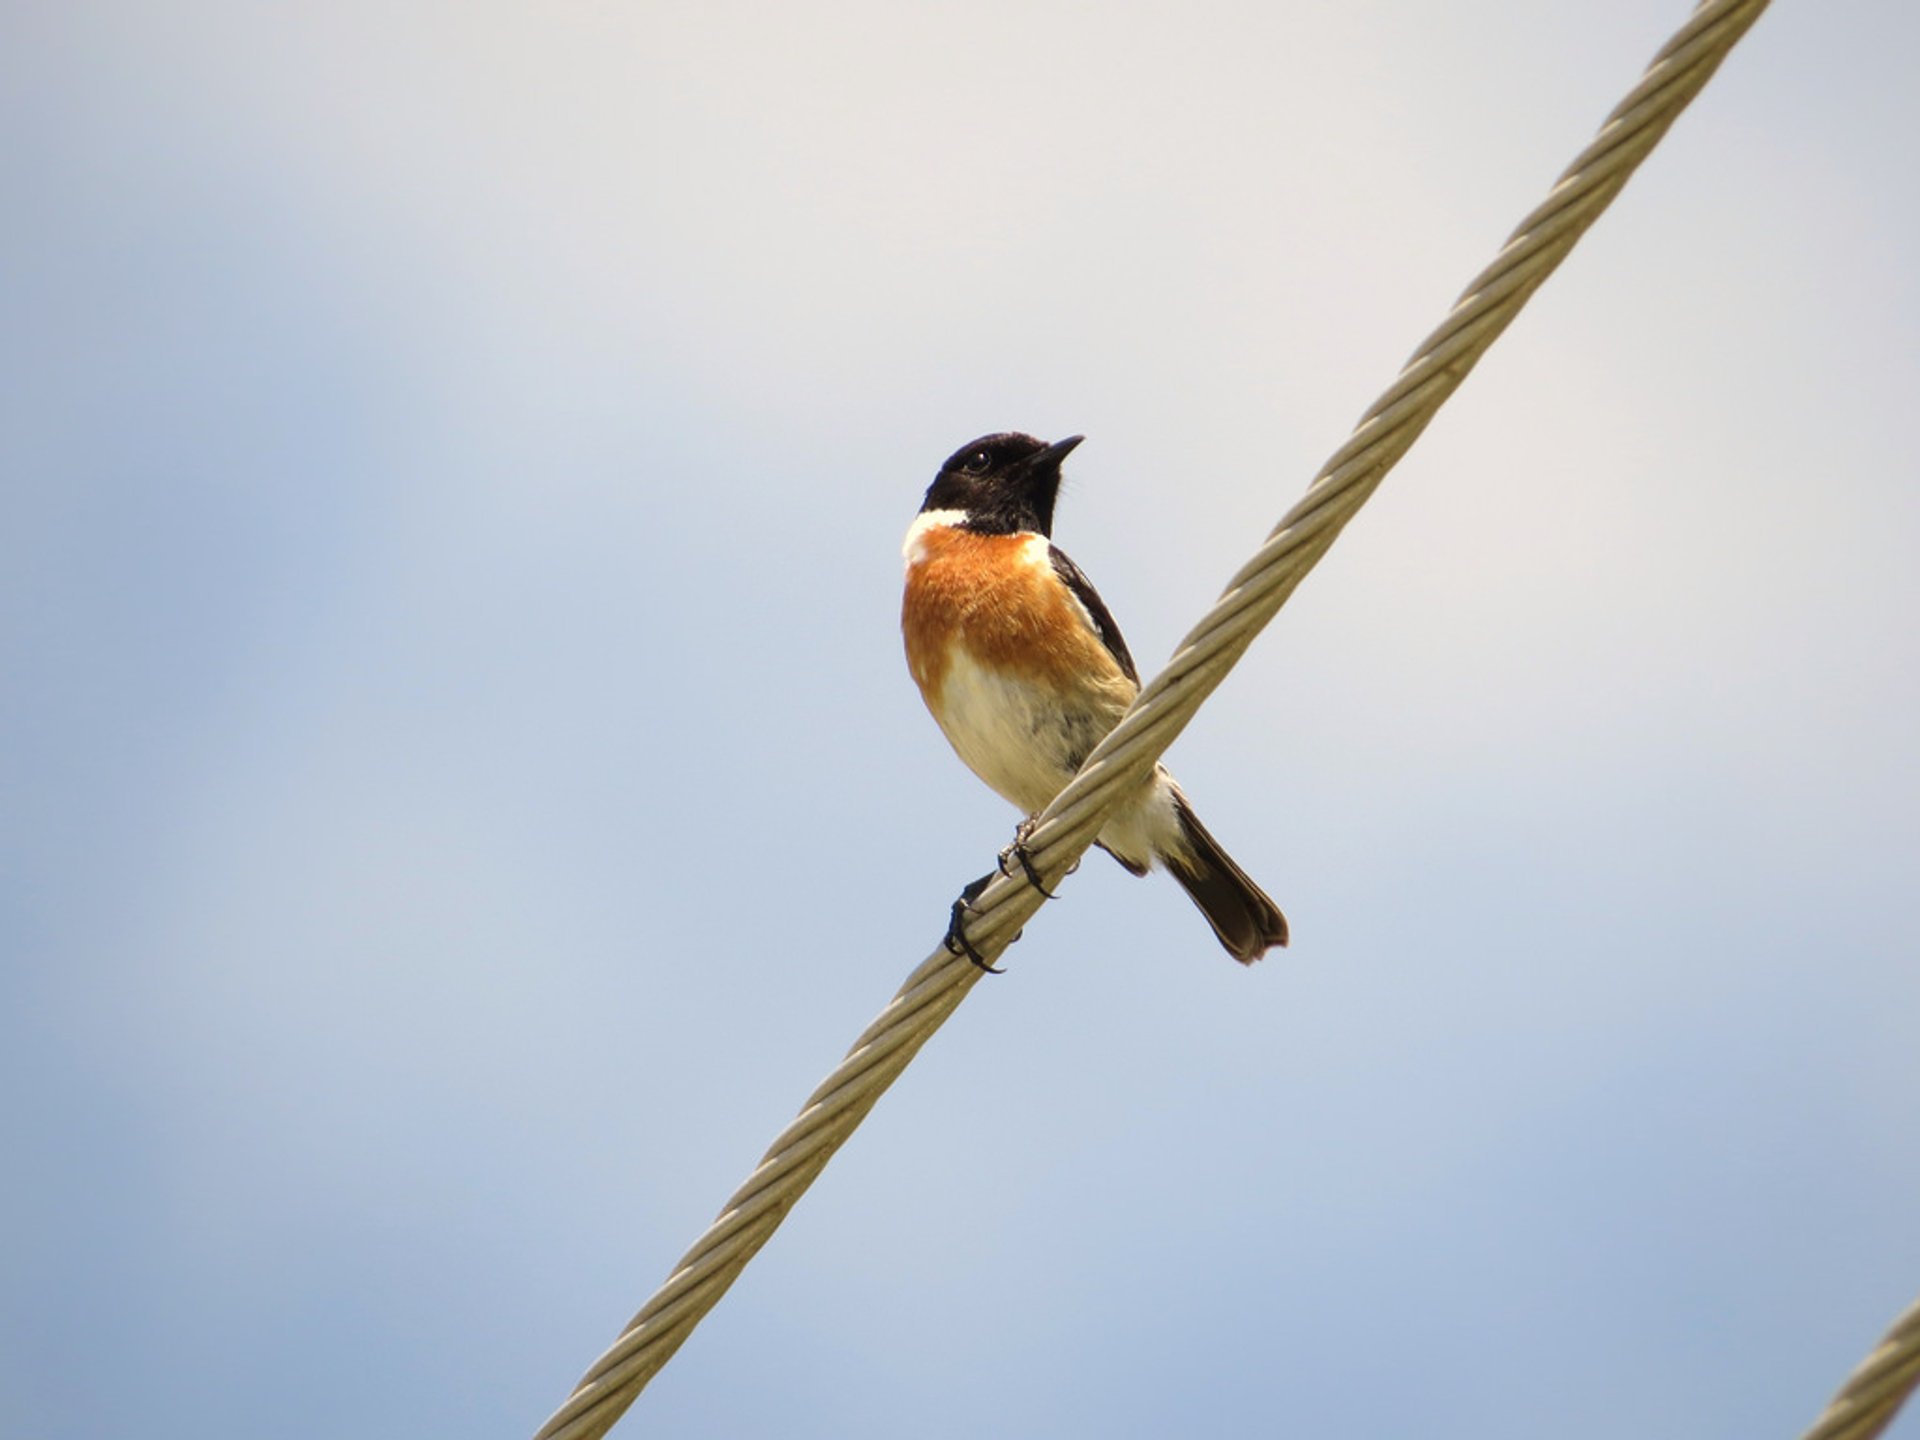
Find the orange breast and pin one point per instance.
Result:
(998, 596)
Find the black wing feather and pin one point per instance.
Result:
(1084, 592)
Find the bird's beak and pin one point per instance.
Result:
(1056, 452)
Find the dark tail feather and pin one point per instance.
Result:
(1247, 922)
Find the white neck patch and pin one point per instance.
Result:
(914, 549)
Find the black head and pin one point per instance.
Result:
(1005, 483)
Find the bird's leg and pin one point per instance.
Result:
(1018, 851)
(956, 939)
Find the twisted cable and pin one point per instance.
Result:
(1875, 1392)
(1067, 826)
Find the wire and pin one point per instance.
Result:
(1875, 1392)
(1067, 826)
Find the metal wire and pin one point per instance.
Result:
(1161, 712)
(1875, 1392)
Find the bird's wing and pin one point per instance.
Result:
(1097, 612)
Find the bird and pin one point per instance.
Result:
(1025, 671)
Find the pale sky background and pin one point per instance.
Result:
(461, 788)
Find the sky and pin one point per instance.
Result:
(460, 788)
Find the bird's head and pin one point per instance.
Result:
(1004, 483)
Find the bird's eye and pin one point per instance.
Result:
(978, 462)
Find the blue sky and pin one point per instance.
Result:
(459, 786)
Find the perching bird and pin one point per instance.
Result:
(1025, 671)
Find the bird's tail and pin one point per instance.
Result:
(1247, 922)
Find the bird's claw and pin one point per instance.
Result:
(956, 939)
(1018, 851)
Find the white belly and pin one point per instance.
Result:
(1026, 744)
(1014, 734)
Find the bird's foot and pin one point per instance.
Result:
(1018, 851)
(956, 939)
